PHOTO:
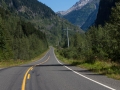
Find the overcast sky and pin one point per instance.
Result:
(59, 5)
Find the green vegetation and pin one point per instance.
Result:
(19, 40)
(99, 48)
(26, 26)
(28, 9)
(108, 68)
(10, 63)
(26, 29)
(41, 16)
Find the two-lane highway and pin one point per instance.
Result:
(50, 74)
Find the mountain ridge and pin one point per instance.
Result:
(41, 16)
(31, 8)
(83, 16)
(104, 11)
(78, 5)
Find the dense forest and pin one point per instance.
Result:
(100, 42)
(41, 16)
(19, 39)
(27, 28)
(28, 9)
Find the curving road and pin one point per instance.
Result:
(50, 74)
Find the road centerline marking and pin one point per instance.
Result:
(31, 68)
(24, 79)
(44, 61)
(27, 76)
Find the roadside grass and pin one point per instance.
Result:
(110, 69)
(10, 63)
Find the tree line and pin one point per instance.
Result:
(101, 42)
(19, 39)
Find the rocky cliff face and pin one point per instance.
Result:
(82, 14)
(77, 6)
(104, 11)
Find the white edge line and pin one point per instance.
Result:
(83, 75)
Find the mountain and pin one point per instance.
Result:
(101, 43)
(77, 6)
(28, 9)
(104, 11)
(105, 35)
(42, 17)
(28, 27)
(19, 40)
(81, 13)
(90, 20)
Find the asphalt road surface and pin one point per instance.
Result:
(50, 74)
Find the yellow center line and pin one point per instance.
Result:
(31, 68)
(44, 61)
(24, 79)
(27, 76)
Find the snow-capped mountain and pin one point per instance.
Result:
(77, 6)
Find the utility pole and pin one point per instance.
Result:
(67, 35)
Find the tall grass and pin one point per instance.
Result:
(109, 69)
(10, 63)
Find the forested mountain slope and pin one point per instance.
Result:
(104, 11)
(28, 9)
(26, 28)
(41, 16)
(19, 39)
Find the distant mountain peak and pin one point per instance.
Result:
(77, 6)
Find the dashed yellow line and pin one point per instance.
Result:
(27, 76)
(44, 61)
(32, 68)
